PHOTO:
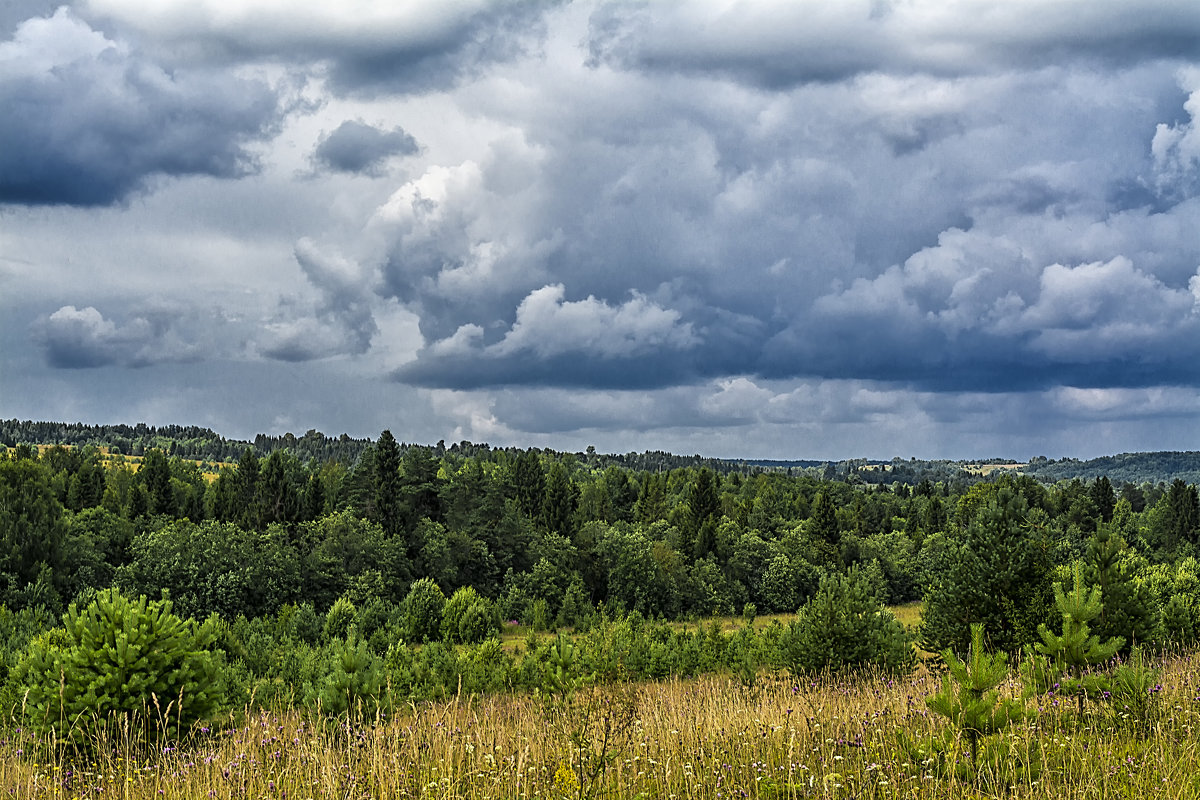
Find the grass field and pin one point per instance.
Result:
(208, 469)
(703, 738)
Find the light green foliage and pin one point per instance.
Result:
(1135, 691)
(468, 618)
(845, 626)
(120, 658)
(352, 681)
(564, 675)
(1069, 654)
(969, 698)
(422, 611)
(339, 619)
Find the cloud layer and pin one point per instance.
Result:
(789, 226)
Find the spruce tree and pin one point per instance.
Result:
(385, 484)
(1128, 611)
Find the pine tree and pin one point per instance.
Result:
(120, 659)
(1128, 611)
(996, 571)
(968, 697)
(1071, 653)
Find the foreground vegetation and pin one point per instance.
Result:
(710, 737)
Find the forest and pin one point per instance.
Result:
(360, 586)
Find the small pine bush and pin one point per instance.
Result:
(120, 659)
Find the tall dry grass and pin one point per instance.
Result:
(703, 738)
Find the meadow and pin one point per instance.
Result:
(709, 737)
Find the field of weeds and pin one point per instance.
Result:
(705, 738)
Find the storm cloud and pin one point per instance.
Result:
(88, 120)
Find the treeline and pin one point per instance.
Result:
(203, 444)
(546, 537)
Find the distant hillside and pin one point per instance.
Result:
(1135, 468)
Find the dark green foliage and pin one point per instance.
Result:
(529, 484)
(32, 533)
(994, 571)
(214, 567)
(845, 626)
(385, 484)
(120, 659)
(1181, 512)
(155, 475)
(562, 497)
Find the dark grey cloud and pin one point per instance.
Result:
(88, 121)
(806, 243)
(355, 146)
(748, 229)
(368, 48)
(778, 45)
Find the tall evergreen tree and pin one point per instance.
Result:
(823, 520)
(385, 494)
(529, 484)
(1104, 497)
(1182, 511)
(245, 489)
(562, 496)
(420, 497)
(1127, 609)
(155, 474)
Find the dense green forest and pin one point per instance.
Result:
(408, 545)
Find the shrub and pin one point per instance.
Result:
(422, 611)
(339, 620)
(120, 658)
(844, 625)
(468, 618)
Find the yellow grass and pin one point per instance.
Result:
(704, 738)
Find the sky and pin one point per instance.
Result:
(819, 229)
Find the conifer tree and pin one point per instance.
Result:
(121, 658)
(1073, 651)
(968, 697)
(385, 484)
(996, 571)
(1128, 611)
